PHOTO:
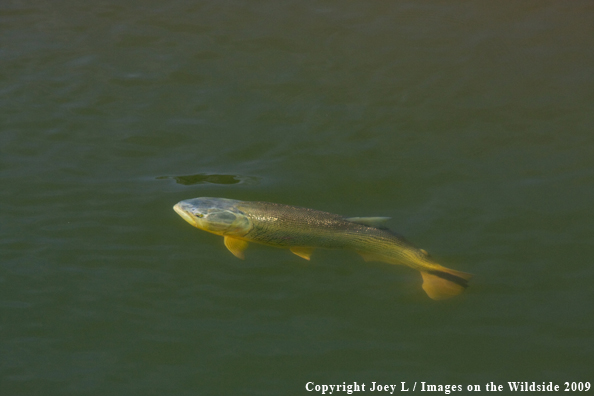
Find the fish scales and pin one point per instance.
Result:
(286, 225)
(290, 225)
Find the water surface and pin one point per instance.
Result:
(469, 124)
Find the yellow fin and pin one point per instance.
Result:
(304, 252)
(444, 283)
(236, 246)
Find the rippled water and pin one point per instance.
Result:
(469, 124)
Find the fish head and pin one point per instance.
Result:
(216, 215)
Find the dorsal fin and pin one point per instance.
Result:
(377, 222)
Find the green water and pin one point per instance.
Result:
(470, 124)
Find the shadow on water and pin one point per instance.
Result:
(202, 178)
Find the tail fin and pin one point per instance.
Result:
(444, 283)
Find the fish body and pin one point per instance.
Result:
(302, 230)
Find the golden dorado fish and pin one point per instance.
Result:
(302, 230)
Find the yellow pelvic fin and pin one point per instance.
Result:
(236, 246)
(444, 283)
(304, 252)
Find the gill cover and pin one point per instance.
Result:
(217, 215)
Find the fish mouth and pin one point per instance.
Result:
(179, 209)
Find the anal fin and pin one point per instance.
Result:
(303, 252)
(236, 246)
(367, 256)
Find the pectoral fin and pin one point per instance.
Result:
(236, 246)
(304, 252)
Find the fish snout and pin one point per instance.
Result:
(181, 208)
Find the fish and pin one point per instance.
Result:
(302, 230)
